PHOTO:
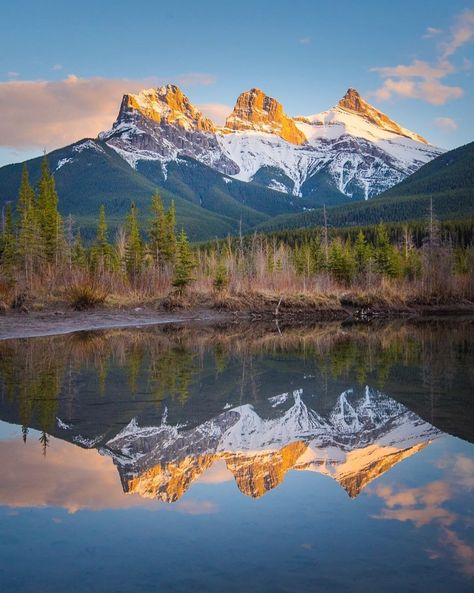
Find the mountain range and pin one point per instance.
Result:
(167, 403)
(363, 436)
(351, 150)
(260, 164)
(355, 439)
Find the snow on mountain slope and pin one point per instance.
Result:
(352, 149)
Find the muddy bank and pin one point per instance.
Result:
(62, 319)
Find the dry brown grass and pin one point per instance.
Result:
(87, 294)
(252, 287)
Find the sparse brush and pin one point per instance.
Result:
(86, 295)
(6, 295)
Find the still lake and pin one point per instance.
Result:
(239, 458)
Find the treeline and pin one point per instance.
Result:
(460, 233)
(449, 205)
(41, 253)
(36, 242)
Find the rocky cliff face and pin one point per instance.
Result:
(165, 105)
(161, 125)
(351, 150)
(256, 111)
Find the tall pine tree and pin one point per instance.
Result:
(28, 230)
(134, 245)
(170, 247)
(386, 256)
(103, 255)
(184, 264)
(158, 232)
(8, 248)
(49, 219)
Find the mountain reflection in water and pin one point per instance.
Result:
(168, 404)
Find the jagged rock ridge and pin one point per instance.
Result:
(350, 150)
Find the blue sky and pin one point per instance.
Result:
(64, 65)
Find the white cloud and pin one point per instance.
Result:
(431, 32)
(12, 74)
(56, 67)
(305, 40)
(446, 123)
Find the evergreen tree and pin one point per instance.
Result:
(28, 230)
(386, 257)
(49, 219)
(157, 229)
(8, 248)
(317, 255)
(221, 277)
(26, 194)
(362, 253)
(340, 262)
(184, 264)
(162, 232)
(78, 252)
(298, 260)
(102, 235)
(170, 247)
(134, 245)
(104, 257)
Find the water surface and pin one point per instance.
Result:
(239, 458)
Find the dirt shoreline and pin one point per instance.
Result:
(63, 320)
(18, 325)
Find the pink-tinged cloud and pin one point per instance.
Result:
(427, 505)
(74, 479)
(418, 80)
(462, 33)
(464, 471)
(419, 505)
(446, 123)
(50, 114)
(423, 80)
(216, 474)
(217, 112)
(431, 91)
(418, 68)
(463, 553)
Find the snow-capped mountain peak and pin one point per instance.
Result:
(353, 103)
(168, 105)
(351, 150)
